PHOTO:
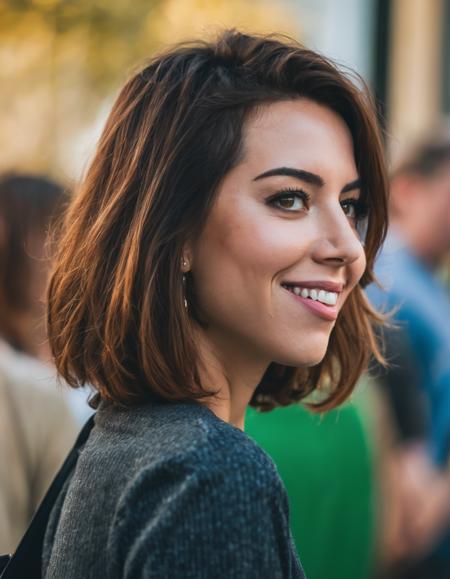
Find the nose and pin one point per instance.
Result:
(337, 242)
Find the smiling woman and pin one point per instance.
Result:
(214, 257)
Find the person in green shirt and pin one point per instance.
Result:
(326, 463)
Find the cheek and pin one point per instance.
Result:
(358, 268)
(247, 244)
(236, 259)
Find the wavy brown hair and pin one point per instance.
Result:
(116, 315)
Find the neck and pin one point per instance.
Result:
(232, 376)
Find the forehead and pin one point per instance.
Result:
(299, 133)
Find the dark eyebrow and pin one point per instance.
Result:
(356, 184)
(306, 176)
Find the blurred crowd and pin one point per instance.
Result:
(369, 484)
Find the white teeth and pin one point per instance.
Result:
(328, 298)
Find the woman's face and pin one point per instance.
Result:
(279, 253)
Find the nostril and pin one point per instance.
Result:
(337, 252)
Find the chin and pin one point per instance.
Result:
(312, 360)
(305, 358)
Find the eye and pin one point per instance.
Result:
(349, 208)
(290, 200)
(354, 209)
(357, 212)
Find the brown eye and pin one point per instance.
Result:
(287, 202)
(290, 201)
(354, 209)
(349, 210)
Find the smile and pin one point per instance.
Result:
(315, 294)
(320, 301)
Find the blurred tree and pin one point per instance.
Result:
(61, 60)
(177, 19)
(107, 36)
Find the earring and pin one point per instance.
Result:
(185, 266)
(184, 291)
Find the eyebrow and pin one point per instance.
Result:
(306, 176)
(356, 184)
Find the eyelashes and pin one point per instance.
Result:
(296, 200)
(357, 209)
(290, 200)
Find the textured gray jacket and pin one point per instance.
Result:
(170, 491)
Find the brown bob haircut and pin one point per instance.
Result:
(116, 314)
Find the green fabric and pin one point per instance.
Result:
(325, 463)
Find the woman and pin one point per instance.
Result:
(212, 259)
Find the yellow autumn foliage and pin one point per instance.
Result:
(61, 60)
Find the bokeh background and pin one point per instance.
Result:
(62, 61)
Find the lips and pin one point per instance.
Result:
(329, 286)
(319, 297)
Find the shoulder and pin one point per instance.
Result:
(186, 436)
(169, 453)
(207, 479)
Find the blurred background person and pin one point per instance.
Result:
(416, 384)
(37, 427)
(36, 432)
(29, 207)
(327, 465)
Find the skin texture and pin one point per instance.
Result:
(250, 246)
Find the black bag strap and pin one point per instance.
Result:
(26, 562)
